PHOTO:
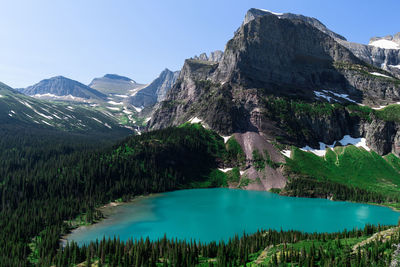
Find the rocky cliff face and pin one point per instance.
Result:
(272, 55)
(155, 91)
(62, 87)
(278, 79)
(385, 58)
(215, 56)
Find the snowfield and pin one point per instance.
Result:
(195, 120)
(386, 44)
(346, 140)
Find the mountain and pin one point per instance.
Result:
(285, 80)
(215, 56)
(381, 52)
(115, 84)
(19, 110)
(62, 88)
(155, 91)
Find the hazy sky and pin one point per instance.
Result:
(83, 39)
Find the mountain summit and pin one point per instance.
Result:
(115, 84)
(60, 87)
(285, 79)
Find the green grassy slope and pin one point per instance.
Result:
(350, 166)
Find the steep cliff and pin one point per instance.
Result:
(283, 79)
(155, 91)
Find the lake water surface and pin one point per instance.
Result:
(215, 214)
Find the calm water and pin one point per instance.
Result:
(215, 214)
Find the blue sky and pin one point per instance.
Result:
(83, 39)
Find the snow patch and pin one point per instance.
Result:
(277, 14)
(138, 109)
(386, 44)
(1, 96)
(225, 170)
(147, 119)
(108, 126)
(113, 108)
(43, 115)
(241, 172)
(195, 120)
(382, 107)
(358, 142)
(54, 115)
(379, 74)
(122, 96)
(346, 140)
(287, 152)
(226, 138)
(392, 66)
(324, 94)
(45, 122)
(127, 111)
(25, 104)
(115, 103)
(99, 121)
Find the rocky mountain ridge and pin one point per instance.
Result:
(62, 88)
(154, 92)
(277, 82)
(215, 56)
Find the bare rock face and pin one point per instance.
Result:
(384, 58)
(267, 178)
(215, 56)
(272, 61)
(155, 91)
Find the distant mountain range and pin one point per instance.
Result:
(62, 88)
(17, 109)
(115, 84)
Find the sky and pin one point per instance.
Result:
(84, 39)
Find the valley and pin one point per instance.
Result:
(281, 150)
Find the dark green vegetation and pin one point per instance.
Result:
(268, 248)
(48, 179)
(49, 182)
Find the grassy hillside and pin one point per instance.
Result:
(350, 166)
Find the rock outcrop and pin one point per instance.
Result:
(155, 91)
(277, 80)
(215, 56)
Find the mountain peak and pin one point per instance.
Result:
(255, 13)
(118, 77)
(215, 56)
(60, 86)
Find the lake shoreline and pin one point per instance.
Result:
(109, 210)
(106, 210)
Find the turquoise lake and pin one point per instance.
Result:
(218, 214)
